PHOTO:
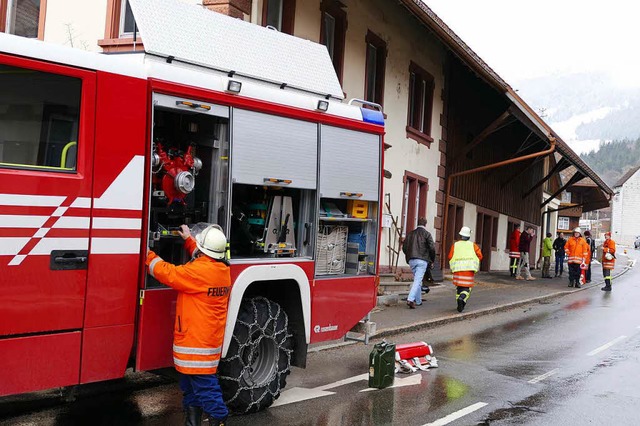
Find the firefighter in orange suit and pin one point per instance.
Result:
(578, 252)
(203, 287)
(608, 260)
(464, 261)
(514, 250)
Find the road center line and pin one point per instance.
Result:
(606, 346)
(543, 376)
(456, 415)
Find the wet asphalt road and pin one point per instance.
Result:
(572, 361)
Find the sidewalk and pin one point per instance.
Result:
(494, 292)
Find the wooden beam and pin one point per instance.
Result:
(560, 165)
(484, 134)
(520, 173)
(577, 177)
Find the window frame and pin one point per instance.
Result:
(122, 22)
(424, 111)
(414, 187)
(287, 19)
(86, 116)
(113, 40)
(561, 218)
(335, 9)
(379, 67)
(4, 11)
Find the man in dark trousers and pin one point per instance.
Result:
(525, 244)
(592, 248)
(420, 251)
(558, 246)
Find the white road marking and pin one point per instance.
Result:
(299, 394)
(606, 346)
(455, 416)
(543, 376)
(343, 382)
(414, 379)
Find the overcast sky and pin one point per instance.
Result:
(521, 39)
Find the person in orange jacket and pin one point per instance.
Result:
(464, 261)
(203, 286)
(578, 254)
(514, 251)
(608, 260)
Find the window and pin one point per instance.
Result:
(375, 67)
(494, 233)
(120, 31)
(333, 29)
(414, 202)
(566, 197)
(279, 14)
(127, 22)
(420, 104)
(563, 222)
(22, 17)
(39, 115)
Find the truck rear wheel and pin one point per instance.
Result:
(259, 357)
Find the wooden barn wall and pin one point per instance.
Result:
(473, 105)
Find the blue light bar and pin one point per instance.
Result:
(372, 116)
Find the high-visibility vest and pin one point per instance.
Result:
(464, 257)
(609, 246)
(203, 285)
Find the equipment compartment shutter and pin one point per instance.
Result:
(349, 163)
(269, 147)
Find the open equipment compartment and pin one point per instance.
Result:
(349, 192)
(189, 172)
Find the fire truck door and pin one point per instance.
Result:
(46, 151)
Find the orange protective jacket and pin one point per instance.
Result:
(203, 285)
(578, 250)
(609, 246)
(465, 278)
(514, 244)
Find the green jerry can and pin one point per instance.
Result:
(382, 365)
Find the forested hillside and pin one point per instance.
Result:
(613, 159)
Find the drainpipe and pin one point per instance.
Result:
(548, 151)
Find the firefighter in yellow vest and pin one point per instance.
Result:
(464, 261)
(608, 260)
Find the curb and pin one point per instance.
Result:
(385, 332)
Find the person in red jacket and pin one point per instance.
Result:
(608, 260)
(577, 251)
(203, 285)
(514, 251)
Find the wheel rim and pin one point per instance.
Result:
(261, 361)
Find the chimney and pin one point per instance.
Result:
(233, 8)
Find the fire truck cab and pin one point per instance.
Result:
(103, 157)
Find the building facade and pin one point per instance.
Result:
(446, 111)
(625, 227)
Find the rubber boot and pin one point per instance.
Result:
(461, 303)
(216, 422)
(193, 416)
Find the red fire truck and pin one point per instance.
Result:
(102, 157)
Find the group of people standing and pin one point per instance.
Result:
(578, 250)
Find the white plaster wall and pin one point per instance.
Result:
(630, 207)
(469, 218)
(500, 258)
(76, 23)
(616, 214)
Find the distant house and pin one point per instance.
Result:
(625, 225)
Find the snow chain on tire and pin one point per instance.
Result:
(259, 356)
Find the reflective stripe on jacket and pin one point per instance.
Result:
(609, 246)
(203, 286)
(577, 249)
(514, 243)
(464, 256)
(464, 279)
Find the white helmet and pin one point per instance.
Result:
(212, 242)
(608, 256)
(578, 230)
(465, 231)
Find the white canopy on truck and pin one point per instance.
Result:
(189, 33)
